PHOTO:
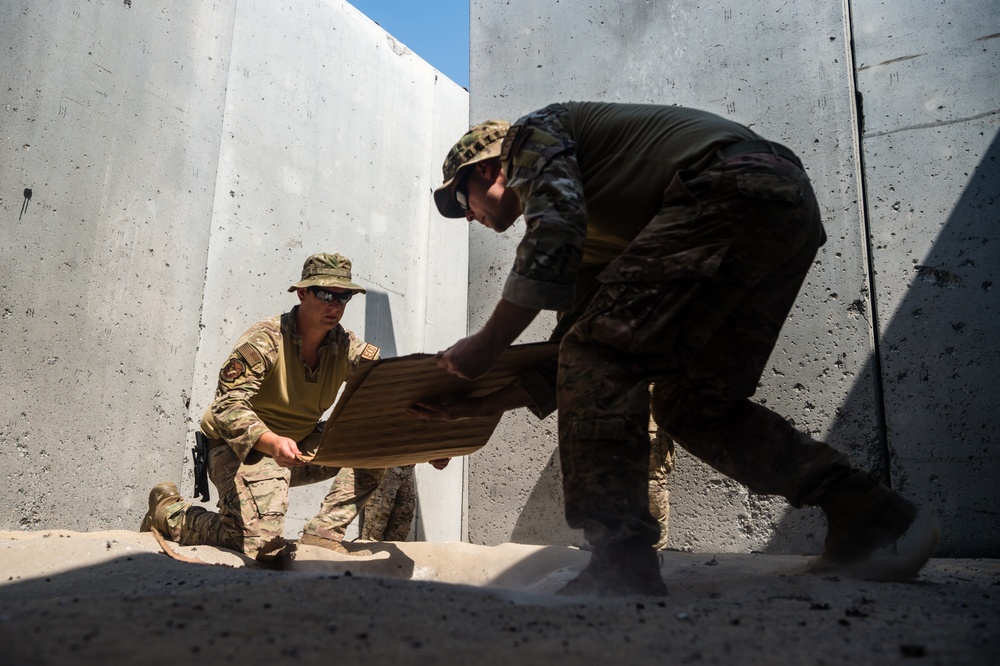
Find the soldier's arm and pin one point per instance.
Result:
(239, 380)
(540, 165)
(472, 356)
(539, 383)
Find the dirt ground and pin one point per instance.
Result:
(115, 597)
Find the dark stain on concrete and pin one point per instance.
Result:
(938, 277)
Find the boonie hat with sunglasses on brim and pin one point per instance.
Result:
(327, 270)
(481, 142)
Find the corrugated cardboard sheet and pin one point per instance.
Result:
(370, 427)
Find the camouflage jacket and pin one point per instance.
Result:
(589, 177)
(264, 385)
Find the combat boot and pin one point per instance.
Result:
(275, 551)
(160, 497)
(864, 516)
(330, 544)
(618, 570)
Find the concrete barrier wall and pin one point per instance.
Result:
(787, 71)
(183, 161)
(164, 173)
(112, 119)
(927, 74)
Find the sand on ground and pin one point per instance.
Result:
(116, 597)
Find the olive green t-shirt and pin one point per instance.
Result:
(589, 177)
(264, 385)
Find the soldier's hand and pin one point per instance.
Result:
(470, 357)
(285, 451)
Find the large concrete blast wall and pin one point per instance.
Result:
(183, 160)
(898, 381)
(929, 77)
(112, 120)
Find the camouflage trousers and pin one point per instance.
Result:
(388, 515)
(661, 463)
(253, 501)
(694, 305)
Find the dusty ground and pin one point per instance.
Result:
(114, 597)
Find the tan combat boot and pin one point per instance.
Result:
(330, 544)
(160, 497)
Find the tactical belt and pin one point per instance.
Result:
(758, 146)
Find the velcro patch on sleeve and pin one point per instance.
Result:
(250, 353)
(510, 142)
(233, 370)
(369, 352)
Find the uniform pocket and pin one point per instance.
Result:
(649, 260)
(641, 318)
(266, 493)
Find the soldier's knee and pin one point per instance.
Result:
(686, 409)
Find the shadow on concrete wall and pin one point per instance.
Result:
(535, 523)
(939, 362)
(378, 322)
(379, 330)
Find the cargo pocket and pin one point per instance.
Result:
(589, 444)
(781, 217)
(266, 495)
(642, 303)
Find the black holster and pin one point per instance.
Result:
(199, 455)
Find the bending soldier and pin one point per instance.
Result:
(701, 233)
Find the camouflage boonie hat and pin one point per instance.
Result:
(480, 143)
(327, 270)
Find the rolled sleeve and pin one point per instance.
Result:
(536, 294)
(541, 168)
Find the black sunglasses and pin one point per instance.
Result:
(461, 191)
(330, 296)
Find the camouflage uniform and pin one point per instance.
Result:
(692, 298)
(661, 463)
(388, 515)
(539, 384)
(264, 386)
